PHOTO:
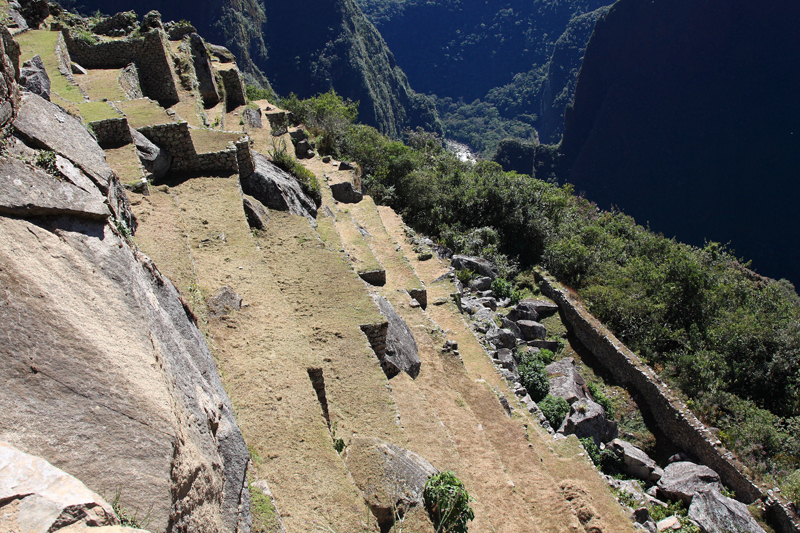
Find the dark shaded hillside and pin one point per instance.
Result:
(304, 48)
(464, 49)
(686, 115)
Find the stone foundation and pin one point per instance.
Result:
(112, 132)
(376, 335)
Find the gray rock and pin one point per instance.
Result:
(155, 159)
(75, 176)
(501, 338)
(29, 192)
(483, 283)
(506, 358)
(420, 294)
(152, 20)
(202, 66)
(682, 480)
(522, 311)
(637, 463)
(628, 486)
(476, 264)
(176, 32)
(221, 53)
(45, 125)
(401, 347)
(252, 117)
(77, 69)
(303, 150)
(278, 121)
(277, 189)
(488, 302)
(565, 381)
(298, 134)
(716, 513)
(532, 330)
(512, 327)
(34, 78)
(345, 192)
(588, 419)
(223, 302)
(117, 200)
(344, 165)
(543, 308)
(680, 456)
(392, 479)
(36, 496)
(257, 215)
(99, 350)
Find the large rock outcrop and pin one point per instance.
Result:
(277, 189)
(716, 513)
(391, 478)
(682, 480)
(401, 348)
(105, 373)
(36, 496)
(155, 159)
(202, 67)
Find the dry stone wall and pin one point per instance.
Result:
(176, 139)
(376, 335)
(234, 88)
(671, 414)
(149, 53)
(111, 132)
(9, 71)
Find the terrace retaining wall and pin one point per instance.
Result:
(678, 423)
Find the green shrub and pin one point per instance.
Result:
(533, 376)
(591, 449)
(502, 288)
(465, 276)
(256, 93)
(555, 409)
(601, 399)
(447, 502)
(46, 160)
(791, 488)
(307, 180)
(81, 34)
(547, 356)
(326, 114)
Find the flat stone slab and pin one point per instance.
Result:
(28, 192)
(716, 513)
(401, 347)
(683, 479)
(45, 125)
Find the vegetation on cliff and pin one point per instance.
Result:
(726, 337)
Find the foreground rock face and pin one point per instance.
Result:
(716, 513)
(36, 496)
(391, 478)
(401, 348)
(100, 352)
(277, 189)
(682, 480)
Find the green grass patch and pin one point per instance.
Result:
(265, 516)
(94, 111)
(208, 141)
(43, 42)
(143, 112)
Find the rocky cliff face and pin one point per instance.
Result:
(685, 117)
(105, 373)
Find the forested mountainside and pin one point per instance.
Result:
(686, 117)
(498, 70)
(305, 48)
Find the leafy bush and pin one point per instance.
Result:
(555, 409)
(256, 93)
(533, 376)
(547, 356)
(465, 276)
(84, 35)
(791, 488)
(591, 449)
(307, 180)
(502, 288)
(601, 399)
(326, 114)
(447, 502)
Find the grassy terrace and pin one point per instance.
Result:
(102, 83)
(94, 111)
(43, 42)
(208, 141)
(144, 112)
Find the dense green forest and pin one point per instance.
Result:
(724, 336)
(497, 71)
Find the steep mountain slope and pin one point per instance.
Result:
(305, 48)
(686, 117)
